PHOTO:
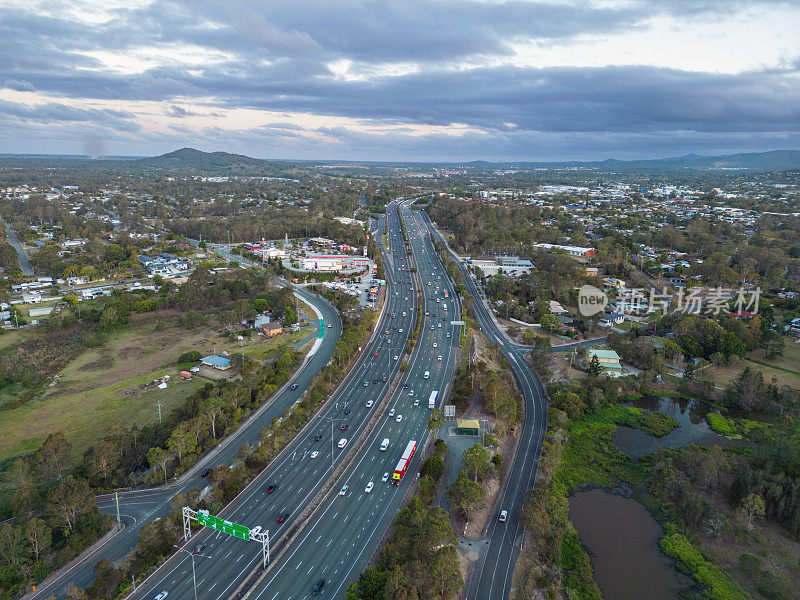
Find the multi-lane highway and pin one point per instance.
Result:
(300, 471)
(491, 576)
(344, 534)
(138, 507)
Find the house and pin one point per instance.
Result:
(576, 251)
(556, 308)
(611, 319)
(608, 360)
(271, 329)
(216, 362)
(260, 321)
(794, 325)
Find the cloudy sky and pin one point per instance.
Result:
(394, 80)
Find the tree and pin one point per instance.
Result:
(11, 543)
(212, 409)
(103, 457)
(476, 461)
(39, 537)
(774, 345)
(53, 456)
(159, 457)
(69, 499)
(754, 506)
(189, 357)
(466, 495)
(594, 366)
(181, 442)
(435, 420)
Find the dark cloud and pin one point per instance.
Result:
(277, 57)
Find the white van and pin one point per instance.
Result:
(384, 444)
(342, 442)
(427, 375)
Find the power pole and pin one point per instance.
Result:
(159, 411)
(116, 499)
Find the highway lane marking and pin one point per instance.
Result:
(298, 565)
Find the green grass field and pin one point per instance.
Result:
(784, 369)
(107, 384)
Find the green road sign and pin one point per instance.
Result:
(321, 332)
(222, 525)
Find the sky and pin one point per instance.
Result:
(431, 80)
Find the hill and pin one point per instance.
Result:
(189, 159)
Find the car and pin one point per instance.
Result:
(416, 402)
(314, 454)
(405, 386)
(448, 334)
(369, 403)
(369, 487)
(281, 518)
(161, 596)
(385, 477)
(503, 516)
(387, 332)
(346, 411)
(435, 345)
(344, 426)
(205, 473)
(376, 355)
(199, 548)
(399, 418)
(391, 412)
(329, 325)
(440, 325)
(440, 357)
(256, 529)
(271, 488)
(343, 491)
(384, 378)
(366, 383)
(400, 331)
(293, 386)
(432, 328)
(374, 381)
(342, 443)
(411, 393)
(318, 437)
(318, 587)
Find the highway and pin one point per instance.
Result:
(344, 534)
(491, 576)
(137, 507)
(297, 473)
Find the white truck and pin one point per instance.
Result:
(432, 400)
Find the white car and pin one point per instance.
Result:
(391, 412)
(161, 596)
(314, 454)
(343, 491)
(440, 357)
(448, 335)
(385, 477)
(503, 516)
(435, 345)
(399, 418)
(368, 404)
(369, 487)
(411, 392)
(396, 357)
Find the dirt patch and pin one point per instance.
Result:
(103, 361)
(130, 352)
(466, 558)
(480, 518)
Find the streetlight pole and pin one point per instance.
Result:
(192, 555)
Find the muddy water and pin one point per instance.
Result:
(622, 539)
(693, 429)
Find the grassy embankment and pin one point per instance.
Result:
(109, 384)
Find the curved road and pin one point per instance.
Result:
(138, 507)
(491, 576)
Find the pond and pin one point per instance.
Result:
(622, 540)
(693, 429)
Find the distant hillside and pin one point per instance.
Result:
(189, 159)
(775, 160)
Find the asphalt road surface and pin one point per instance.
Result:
(491, 576)
(138, 507)
(345, 532)
(297, 473)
